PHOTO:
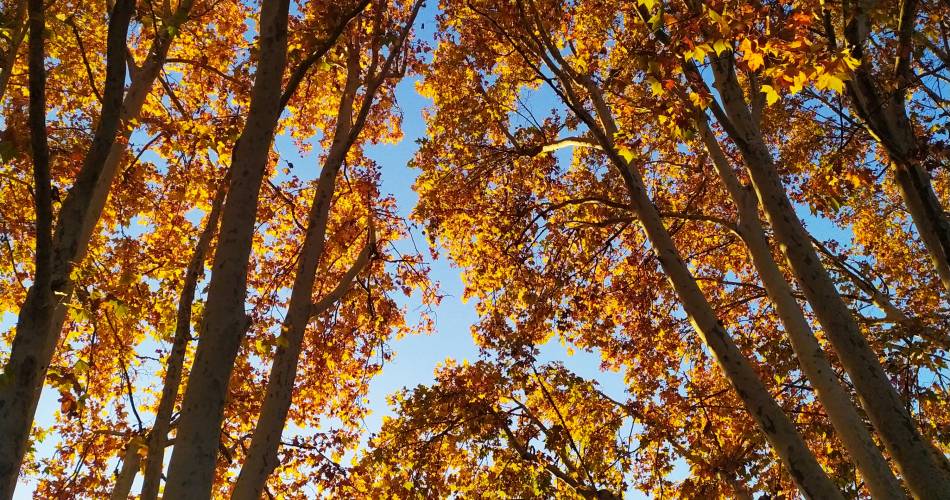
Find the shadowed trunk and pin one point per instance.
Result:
(36, 335)
(191, 470)
(884, 114)
(835, 399)
(778, 429)
(17, 29)
(925, 470)
(773, 422)
(262, 455)
(158, 436)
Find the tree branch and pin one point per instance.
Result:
(346, 281)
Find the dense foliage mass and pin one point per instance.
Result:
(737, 205)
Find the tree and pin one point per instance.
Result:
(919, 462)
(884, 113)
(262, 453)
(37, 326)
(522, 431)
(734, 206)
(191, 470)
(536, 54)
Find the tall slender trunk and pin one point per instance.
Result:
(131, 460)
(888, 123)
(778, 429)
(191, 471)
(35, 339)
(923, 467)
(843, 415)
(774, 423)
(18, 379)
(158, 436)
(261, 457)
(929, 216)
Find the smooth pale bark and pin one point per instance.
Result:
(158, 437)
(35, 338)
(261, 458)
(773, 422)
(191, 471)
(262, 454)
(924, 469)
(884, 114)
(778, 429)
(834, 398)
(131, 460)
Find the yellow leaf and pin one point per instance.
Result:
(698, 54)
(697, 100)
(721, 46)
(626, 154)
(798, 82)
(754, 60)
(851, 61)
(771, 96)
(829, 81)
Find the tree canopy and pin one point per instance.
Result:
(738, 208)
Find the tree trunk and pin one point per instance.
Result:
(261, 457)
(778, 429)
(35, 339)
(191, 471)
(131, 460)
(929, 217)
(844, 417)
(154, 461)
(925, 470)
(887, 122)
